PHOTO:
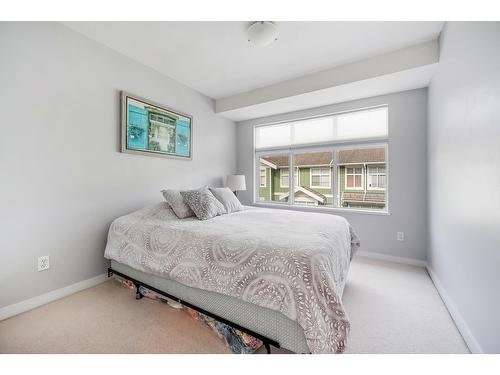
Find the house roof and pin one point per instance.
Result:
(369, 155)
(309, 192)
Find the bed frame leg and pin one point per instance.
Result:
(110, 272)
(138, 294)
(268, 347)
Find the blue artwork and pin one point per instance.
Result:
(154, 129)
(137, 129)
(182, 142)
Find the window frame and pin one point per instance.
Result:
(362, 174)
(375, 142)
(260, 177)
(378, 174)
(281, 177)
(320, 175)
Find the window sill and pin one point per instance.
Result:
(321, 209)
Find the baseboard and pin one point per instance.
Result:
(391, 258)
(462, 326)
(29, 304)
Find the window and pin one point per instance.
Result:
(358, 169)
(320, 178)
(325, 171)
(275, 165)
(284, 178)
(376, 177)
(263, 176)
(354, 177)
(312, 173)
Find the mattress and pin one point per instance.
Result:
(269, 323)
(293, 263)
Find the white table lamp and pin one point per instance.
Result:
(236, 182)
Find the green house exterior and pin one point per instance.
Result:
(274, 191)
(361, 179)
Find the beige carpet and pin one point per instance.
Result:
(393, 309)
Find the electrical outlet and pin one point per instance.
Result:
(43, 263)
(400, 236)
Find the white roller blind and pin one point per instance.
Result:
(273, 136)
(365, 124)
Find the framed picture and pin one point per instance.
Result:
(151, 129)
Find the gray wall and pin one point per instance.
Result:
(62, 178)
(407, 168)
(464, 178)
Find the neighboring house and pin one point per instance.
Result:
(361, 179)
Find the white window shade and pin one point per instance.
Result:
(273, 136)
(313, 130)
(363, 124)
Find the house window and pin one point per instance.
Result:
(354, 177)
(284, 178)
(320, 178)
(359, 167)
(263, 177)
(376, 178)
(326, 172)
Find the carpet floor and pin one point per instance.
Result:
(393, 309)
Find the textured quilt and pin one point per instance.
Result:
(289, 261)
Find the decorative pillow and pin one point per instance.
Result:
(227, 198)
(175, 200)
(203, 203)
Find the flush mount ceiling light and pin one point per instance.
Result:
(262, 33)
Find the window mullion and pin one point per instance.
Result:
(291, 179)
(335, 179)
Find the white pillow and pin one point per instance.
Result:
(227, 198)
(175, 200)
(203, 203)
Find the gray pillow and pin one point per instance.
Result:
(203, 203)
(175, 200)
(227, 198)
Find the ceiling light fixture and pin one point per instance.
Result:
(262, 33)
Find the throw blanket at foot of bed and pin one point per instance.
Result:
(292, 262)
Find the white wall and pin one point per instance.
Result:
(464, 178)
(62, 177)
(407, 168)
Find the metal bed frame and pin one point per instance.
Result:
(267, 341)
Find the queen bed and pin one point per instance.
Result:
(279, 274)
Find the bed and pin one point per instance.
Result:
(277, 273)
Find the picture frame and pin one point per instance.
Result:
(152, 129)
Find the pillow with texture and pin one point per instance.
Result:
(227, 198)
(203, 203)
(175, 200)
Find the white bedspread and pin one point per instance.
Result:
(293, 262)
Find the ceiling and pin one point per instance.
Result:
(216, 59)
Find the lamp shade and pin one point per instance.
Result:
(236, 182)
